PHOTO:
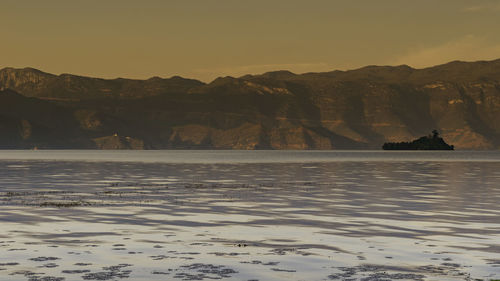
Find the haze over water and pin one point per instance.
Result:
(249, 215)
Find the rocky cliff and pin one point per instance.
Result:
(355, 109)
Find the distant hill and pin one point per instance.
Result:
(35, 83)
(356, 109)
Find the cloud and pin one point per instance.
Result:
(208, 74)
(482, 8)
(468, 48)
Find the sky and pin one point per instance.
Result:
(205, 39)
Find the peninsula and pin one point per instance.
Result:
(430, 142)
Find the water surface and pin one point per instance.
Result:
(249, 215)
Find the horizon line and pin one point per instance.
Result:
(248, 74)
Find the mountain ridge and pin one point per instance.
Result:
(354, 109)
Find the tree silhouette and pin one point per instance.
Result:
(435, 134)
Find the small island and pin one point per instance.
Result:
(430, 142)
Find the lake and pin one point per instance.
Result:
(249, 215)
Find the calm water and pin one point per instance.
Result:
(249, 215)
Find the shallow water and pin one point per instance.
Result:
(198, 215)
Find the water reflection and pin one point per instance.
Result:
(301, 221)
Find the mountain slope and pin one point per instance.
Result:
(354, 109)
(34, 83)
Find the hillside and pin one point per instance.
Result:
(357, 109)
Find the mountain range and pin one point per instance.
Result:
(356, 109)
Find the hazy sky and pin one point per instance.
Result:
(204, 39)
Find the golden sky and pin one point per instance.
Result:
(204, 39)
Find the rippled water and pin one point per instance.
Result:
(197, 215)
